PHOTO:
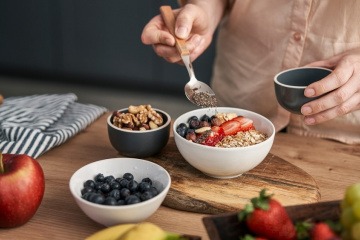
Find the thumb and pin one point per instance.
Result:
(188, 19)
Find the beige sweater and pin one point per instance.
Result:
(258, 39)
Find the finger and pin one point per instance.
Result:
(190, 19)
(154, 33)
(341, 74)
(350, 105)
(334, 98)
(170, 54)
(327, 63)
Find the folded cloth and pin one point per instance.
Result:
(34, 124)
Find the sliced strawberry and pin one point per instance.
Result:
(211, 137)
(231, 127)
(246, 123)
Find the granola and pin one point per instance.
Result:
(242, 139)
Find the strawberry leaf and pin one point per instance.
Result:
(243, 214)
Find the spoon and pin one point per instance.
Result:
(199, 93)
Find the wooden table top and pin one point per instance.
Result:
(333, 165)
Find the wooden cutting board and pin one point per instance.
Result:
(193, 191)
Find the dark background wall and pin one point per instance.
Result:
(89, 41)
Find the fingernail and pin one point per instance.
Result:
(309, 92)
(181, 32)
(306, 110)
(309, 121)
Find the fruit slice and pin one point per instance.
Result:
(211, 137)
(231, 127)
(246, 123)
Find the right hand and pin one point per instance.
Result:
(192, 24)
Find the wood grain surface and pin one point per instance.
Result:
(193, 191)
(333, 165)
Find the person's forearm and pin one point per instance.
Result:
(213, 8)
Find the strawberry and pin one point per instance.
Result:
(267, 218)
(211, 137)
(246, 123)
(231, 127)
(322, 231)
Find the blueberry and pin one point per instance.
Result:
(132, 199)
(138, 194)
(96, 198)
(190, 135)
(146, 196)
(124, 193)
(204, 124)
(105, 188)
(86, 195)
(89, 183)
(144, 186)
(194, 122)
(148, 180)
(87, 190)
(109, 178)
(132, 185)
(124, 182)
(128, 176)
(181, 129)
(120, 202)
(154, 191)
(205, 118)
(100, 177)
(98, 185)
(115, 194)
(115, 185)
(110, 201)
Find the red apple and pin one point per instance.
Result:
(22, 186)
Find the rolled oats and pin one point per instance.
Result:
(242, 139)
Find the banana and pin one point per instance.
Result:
(111, 233)
(146, 231)
(140, 231)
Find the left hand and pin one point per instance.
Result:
(342, 87)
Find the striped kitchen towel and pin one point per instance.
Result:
(34, 124)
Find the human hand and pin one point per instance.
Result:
(342, 89)
(192, 24)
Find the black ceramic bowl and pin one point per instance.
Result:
(139, 144)
(290, 85)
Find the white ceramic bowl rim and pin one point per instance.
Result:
(293, 69)
(131, 206)
(141, 132)
(176, 123)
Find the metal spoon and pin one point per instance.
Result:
(196, 91)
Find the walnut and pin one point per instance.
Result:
(141, 118)
(135, 120)
(126, 118)
(153, 125)
(136, 109)
(223, 117)
(155, 116)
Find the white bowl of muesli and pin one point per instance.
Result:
(223, 142)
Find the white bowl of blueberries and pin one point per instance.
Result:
(120, 190)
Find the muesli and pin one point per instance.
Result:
(226, 130)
